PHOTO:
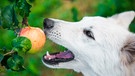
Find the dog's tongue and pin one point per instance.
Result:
(58, 57)
(66, 54)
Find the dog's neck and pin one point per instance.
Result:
(105, 67)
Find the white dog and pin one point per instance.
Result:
(97, 46)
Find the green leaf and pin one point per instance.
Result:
(18, 59)
(0, 19)
(23, 8)
(6, 37)
(10, 62)
(4, 61)
(1, 57)
(75, 13)
(8, 17)
(21, 44)
(31, 1)
(15, 63)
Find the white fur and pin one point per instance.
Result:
(99, 57)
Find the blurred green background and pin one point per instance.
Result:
(70, 10)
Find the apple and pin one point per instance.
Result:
(36, 36)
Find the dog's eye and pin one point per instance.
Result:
(89, 34)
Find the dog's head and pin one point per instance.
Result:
(91, 42)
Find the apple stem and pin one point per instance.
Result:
(25, 21)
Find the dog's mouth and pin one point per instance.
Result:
(58, 57)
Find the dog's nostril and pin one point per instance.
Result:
(48, 23)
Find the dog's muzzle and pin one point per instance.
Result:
(48, 23)
(57, 57)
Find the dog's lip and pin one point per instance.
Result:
(58, 57)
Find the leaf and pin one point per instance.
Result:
(1, 57)
(10, 62)
(18, 59)
(15, 63)
(75, 13)
(0, 19)
(6, 37)
(23, 8)
(8, 17)
(31, 1)
(4, 61)
(21, 44)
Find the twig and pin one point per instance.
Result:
(8, 53)
(25, 21)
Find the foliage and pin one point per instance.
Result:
(14, 14)
(15, 62)
(21, 44)
(23, 8)
(109, 7)
(75, 13)
(8, 17)
(13, 44)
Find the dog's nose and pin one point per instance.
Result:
(48, 23)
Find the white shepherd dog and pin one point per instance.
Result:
(97, 46)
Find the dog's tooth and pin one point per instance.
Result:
(49, 58)
(45, 57)
(47, 53)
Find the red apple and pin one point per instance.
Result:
(36, 36)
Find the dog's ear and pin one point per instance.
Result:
(128, 51)
(124, 18)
